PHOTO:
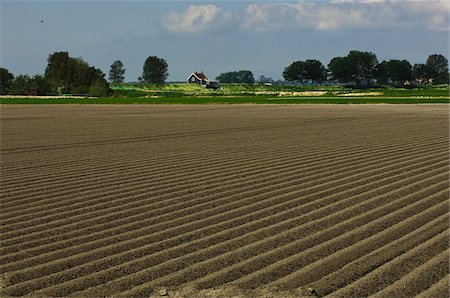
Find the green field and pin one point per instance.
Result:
(182, 93)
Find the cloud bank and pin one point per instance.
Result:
(313, 15)
(347, 14)
(197, 18)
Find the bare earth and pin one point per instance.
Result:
(224, 201)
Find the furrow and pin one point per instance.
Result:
(159, 170)
(194, 225)
(362, 266)
(83, 176)
(199, 264)
(35, 200)
(438, 290)
(386, 274)
(140, 202)
(225, 151)
(61, 172)
(201, 174)
(61, 167)
(419, 278)
(161, 164)
(197, 253)
(155, 181)
(255, 272)
(319, 261)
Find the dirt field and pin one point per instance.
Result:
(225, 201)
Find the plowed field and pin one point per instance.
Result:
(347, 201)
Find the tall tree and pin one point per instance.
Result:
(340, 69)
(59, 70)
(6, 79)
(420, 71)
(155, 70)
(293, 72)
(40, 85)
(117, 72)
(74, 75)
(362, 66)
(398, 71)
(309, 70)
(381, 73)
(437, 66)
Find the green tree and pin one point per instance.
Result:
(398, 71)
(73, 75)
(437, 66)
(362, 66)
(40, 85)
(59, 70)
(420, 71)
(294, 71)
(381, 73)
(309, 70)
(245, 77)
(21, 85)
(117, 72)
(26, 85)
(6, 79)
(155, 70)
(339, 69)
(227, 77)
(242, 77)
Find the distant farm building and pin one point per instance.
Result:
(200, 79)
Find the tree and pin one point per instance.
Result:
(155, 70)
(309, 70)
(437, 66)
(294, 72)
(245, 77)
(6, 79)
(362, 66)
(227, 77)
(340, 69)
(420, 71)
(242, 77)
(398, 71)
(21, 85)
(39, 85)
(26, 85)
(381, 73)
(74, 75)
(117, 72)
(58, 70)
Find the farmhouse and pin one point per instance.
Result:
(200, 79)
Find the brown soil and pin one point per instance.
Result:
(224, 201)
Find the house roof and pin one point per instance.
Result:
(200, 76)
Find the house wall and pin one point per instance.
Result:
(193, 79)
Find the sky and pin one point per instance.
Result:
(218, 36)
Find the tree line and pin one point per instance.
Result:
(362, 68)
(69, 75)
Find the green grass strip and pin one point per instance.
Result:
(228, 100)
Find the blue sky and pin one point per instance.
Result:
(219, 36)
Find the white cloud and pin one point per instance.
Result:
(197, 18)
(347, 14)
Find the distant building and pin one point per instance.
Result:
(265, 80)
(200, 79)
